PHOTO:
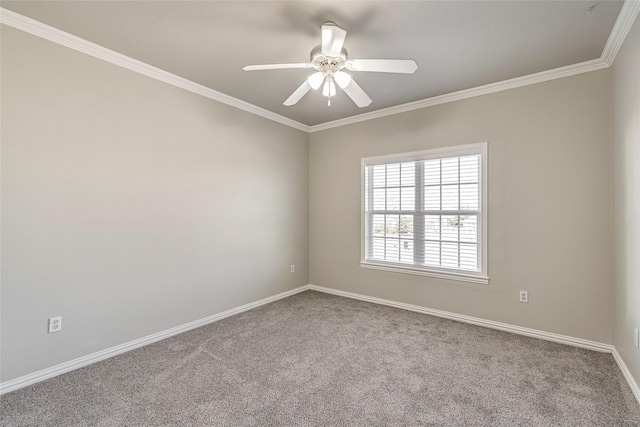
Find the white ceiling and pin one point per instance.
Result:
(457, 44)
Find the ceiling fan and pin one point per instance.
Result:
(329, 59)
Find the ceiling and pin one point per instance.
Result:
(457, 44)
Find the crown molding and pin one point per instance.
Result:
(63, 38)
(543, 76)
(621, 28)
(624, 22)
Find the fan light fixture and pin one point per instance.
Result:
(329, 88)
(315, 80)
(329, 59)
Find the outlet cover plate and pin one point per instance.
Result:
(55, 324)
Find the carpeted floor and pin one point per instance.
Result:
(319, 360)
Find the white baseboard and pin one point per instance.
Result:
(53, 371)
(534, 333)
(627, 374)
(548, 336)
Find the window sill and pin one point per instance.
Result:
(462, 277)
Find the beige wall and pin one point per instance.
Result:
(626, 198)
(130, 206)
(549, 205)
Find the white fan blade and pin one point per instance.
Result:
(277, 66)
(298, 94)
(406, 66)
(356, 93)
(332, 39)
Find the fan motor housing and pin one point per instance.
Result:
(321, 62)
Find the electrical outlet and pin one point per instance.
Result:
(524, 296)
(293, 268)
(55, 324)
(637, 337)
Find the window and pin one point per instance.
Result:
(425, 213)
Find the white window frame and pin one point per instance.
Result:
(481, 277)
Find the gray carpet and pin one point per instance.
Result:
(319, 360)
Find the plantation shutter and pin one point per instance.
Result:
(425, 213)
